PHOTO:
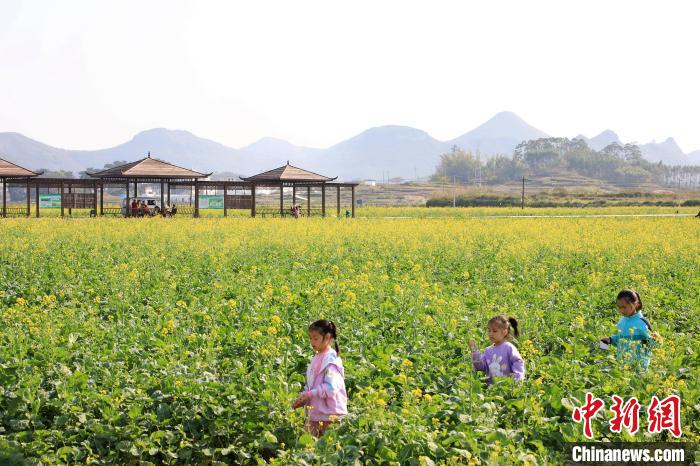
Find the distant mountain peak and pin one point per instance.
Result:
(506, 124)
(608, 133)
(506, 116)
(270, 145)
(391, 132)
(163, 132)
(604, 139)
(667, 151)
(393, 129)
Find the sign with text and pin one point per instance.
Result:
(49, 201)
(211, 202)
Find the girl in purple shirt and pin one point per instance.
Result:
(502, 358)
(324, 393)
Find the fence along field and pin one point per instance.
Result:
(182, 341)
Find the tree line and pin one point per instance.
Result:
(616, 163)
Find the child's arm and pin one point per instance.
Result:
(302, 400)
(517, 364)
(332, 383)
(478, 360)
(643, 332)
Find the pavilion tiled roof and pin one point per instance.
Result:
(10, 170)
(287, 173)
(148, 168)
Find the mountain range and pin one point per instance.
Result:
(385, 151)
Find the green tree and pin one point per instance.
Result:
(459, 165)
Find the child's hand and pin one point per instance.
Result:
(606, 340)
(472, 345)
(303, 399)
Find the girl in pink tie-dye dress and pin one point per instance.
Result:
(324, 394)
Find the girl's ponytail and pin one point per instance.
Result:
(334, 333)
(514, 325)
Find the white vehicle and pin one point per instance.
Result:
(152, 203)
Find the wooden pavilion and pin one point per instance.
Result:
(247, 193)
(150, 171)
(14, 174)
(297, 178)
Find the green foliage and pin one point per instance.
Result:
(615, 163)
(180, 341)
(457, 165)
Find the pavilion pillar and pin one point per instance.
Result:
(308, 201)
(225, 206)
(29, 198)
(353, 201)
(337, 201)
(102, 198)
(168, 192)
(128, 204)
(136, 189)
(196, 199)
(62, 189)
(294, 194)
(70, 190)
(162, 197)
(37, 200)
(281, 199)
(252, 206)
(323, 199)
(4, 197)
(94, 197)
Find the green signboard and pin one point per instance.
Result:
(49, 201)
(211, 202)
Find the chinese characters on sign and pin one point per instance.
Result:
(661, 414)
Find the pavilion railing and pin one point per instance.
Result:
(14, 211)
(275, 212)
(111, 210)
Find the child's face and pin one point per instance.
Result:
(319, 342)
(625, 307)
(497, 334)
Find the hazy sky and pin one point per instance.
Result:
(91, 74)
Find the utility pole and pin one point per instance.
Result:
(522, 199)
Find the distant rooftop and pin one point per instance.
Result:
(288, 173)
(148, 168)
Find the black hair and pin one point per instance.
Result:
(631, 297)
(325, 327)
(507, 322)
